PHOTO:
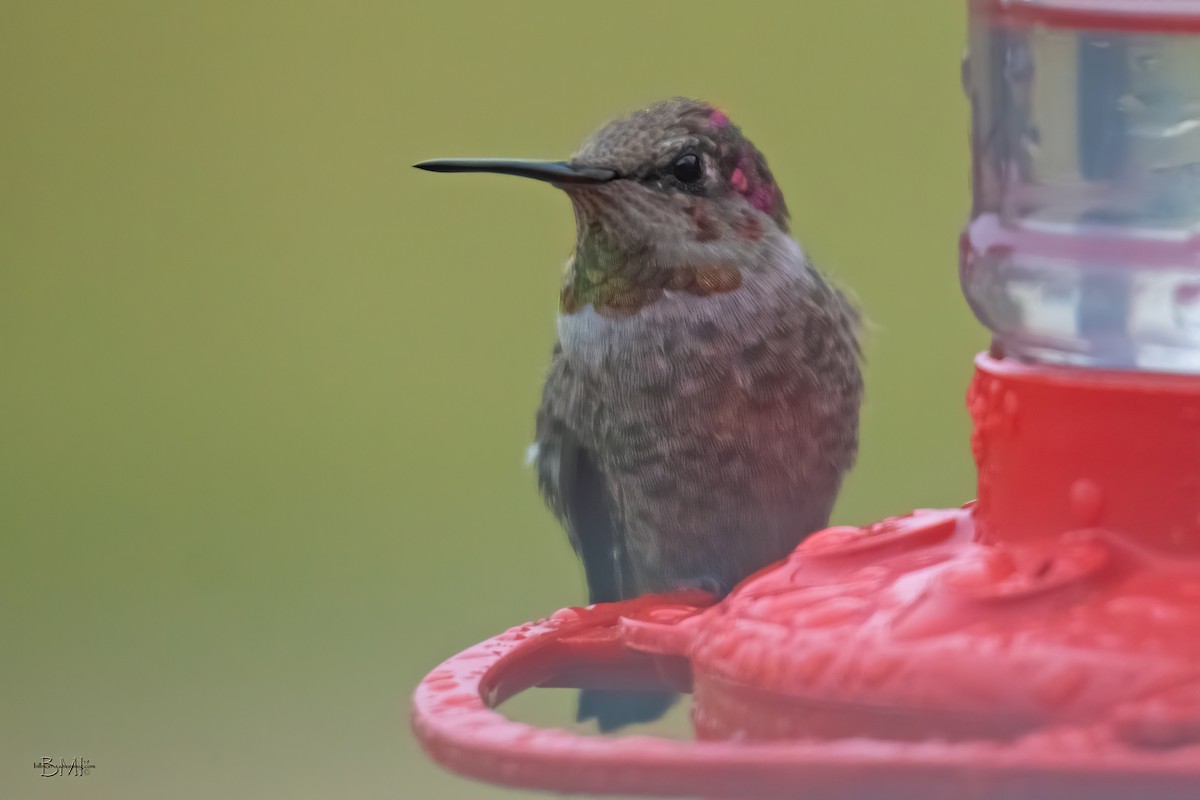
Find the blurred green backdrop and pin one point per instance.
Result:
(267, 390)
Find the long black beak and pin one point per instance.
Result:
(550, 171)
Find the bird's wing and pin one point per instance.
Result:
(575, 489)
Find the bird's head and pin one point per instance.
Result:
(676, 183)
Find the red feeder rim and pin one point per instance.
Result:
(1133, 16)
(454, 718)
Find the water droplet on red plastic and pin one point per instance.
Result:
(566, 615)
(1062, 685)
(1011, 403)
(1086, 502)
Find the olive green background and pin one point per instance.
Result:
(266, 390)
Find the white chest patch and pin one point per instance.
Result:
(590, 339)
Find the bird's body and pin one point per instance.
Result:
(718, 428)
(701, 406)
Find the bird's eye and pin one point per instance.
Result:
(686, 168)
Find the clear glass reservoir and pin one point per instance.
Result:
(1084, 242)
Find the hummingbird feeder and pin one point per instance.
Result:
(1042, 641)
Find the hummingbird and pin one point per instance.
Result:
(701, 404)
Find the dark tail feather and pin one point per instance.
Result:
(616, 709)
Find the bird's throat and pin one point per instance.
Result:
(619, 282)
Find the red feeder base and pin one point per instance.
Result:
(1039, 644)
